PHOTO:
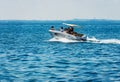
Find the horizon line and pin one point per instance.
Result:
(75, 19)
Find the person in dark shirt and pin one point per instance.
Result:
(52, 28)
(61, 29)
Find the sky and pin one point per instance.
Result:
(59, 9)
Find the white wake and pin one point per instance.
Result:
(64, 40)
(105, 41)
(91, 40)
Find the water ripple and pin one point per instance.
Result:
(26, 55)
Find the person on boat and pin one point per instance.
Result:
(61, 29)
(52, 28)
(71, 29)
(65, 30)
(68, 30)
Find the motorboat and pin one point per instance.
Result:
(62, 34)
(66, 34)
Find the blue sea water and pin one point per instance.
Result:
(28, 53)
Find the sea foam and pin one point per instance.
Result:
(92, 40)
(105, 41)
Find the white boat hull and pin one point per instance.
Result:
(58, 34)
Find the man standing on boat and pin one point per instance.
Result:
(61, 29)
(52, 28)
